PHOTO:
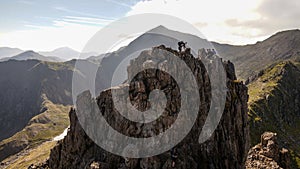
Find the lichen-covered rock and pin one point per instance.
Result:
(226, 148)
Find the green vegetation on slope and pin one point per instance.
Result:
(274, 105)
(266, 83)
(34, 156)
(40, 129)
(59, 65)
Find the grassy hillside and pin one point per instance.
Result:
(36, 155)
(274, 105)
(22, 84)
(37, 135)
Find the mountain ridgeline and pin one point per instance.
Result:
(250, 59)
(274, 105)
(226, 148)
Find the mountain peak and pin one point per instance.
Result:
(64, 49)
(160, 27)
(28, 52)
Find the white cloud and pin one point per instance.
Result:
(228, 21)
(210, 16)
(71, 31)
(87, 20)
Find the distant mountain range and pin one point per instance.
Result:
(66, 53)
(31, 55)
(57, 55)
(6, 52)
(249, 59)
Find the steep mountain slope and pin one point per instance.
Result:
(250, 59)
(274, 104)
(227, 148)
(22, 86)
(9, 52)
(31, 55)
(33, 95)
(41, 128)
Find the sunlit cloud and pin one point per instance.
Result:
(45, 38)
(212, 17)
(232, 21)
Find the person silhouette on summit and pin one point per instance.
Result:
(181, 46)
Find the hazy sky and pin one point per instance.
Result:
(46, 25)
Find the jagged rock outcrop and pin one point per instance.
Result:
(226, 148)
(268, 154)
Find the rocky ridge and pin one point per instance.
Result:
(274, 105)
(226, 148)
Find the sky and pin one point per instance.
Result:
(46, 25)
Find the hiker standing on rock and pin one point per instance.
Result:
(181, 46)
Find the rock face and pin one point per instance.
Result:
(226, 148)
(267, 154)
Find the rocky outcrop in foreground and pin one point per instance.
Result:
(268, 154)
(226, 148)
